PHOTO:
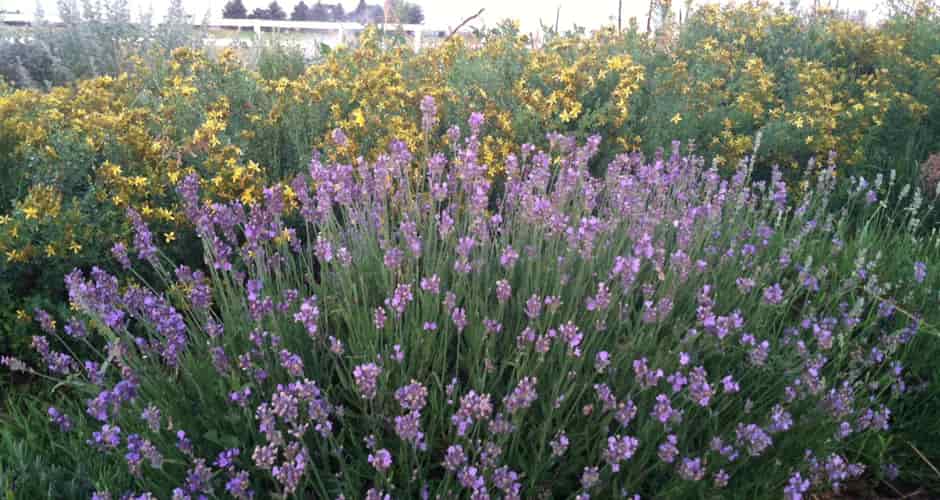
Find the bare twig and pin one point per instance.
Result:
(922, 457)
(465, 21)
(619, 15)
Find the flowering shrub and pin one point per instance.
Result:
(76, 157)
(379, 333)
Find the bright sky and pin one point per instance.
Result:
(448, 13)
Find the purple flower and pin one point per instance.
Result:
(533, 307)
(143, 238)
(291, 471)
(309, 314)
(648, 378)
(721, 478)
(367, 376)
(663, 410)
(393, 258)
(238, 485)
(408, 428)
(781, 420)
(374, 494)
(796, 487)
(601, 361)
(431, 285)
(75, 328)
(522, 396)
(473, 406)
(108, 438)
(559, 444)
(291, 363)
(753, 438)
(412, 397)
(59, 419)
(183, 443)
(773, 294)
(151, 415)
(606, 395)
(338, 137)
(459, 317)
(691, 469)
(729, 385)
(620, 449)
(381, 460)
(601, 300)
(454, 458)
(400, 299)
(509, 257)
(920, 272)
(668, 450)
(475, 122)
(503, 291)
(379, 317)
(264, 456)
(428, 113)
(626, 412)
(890, 471)
(699, 389)
(119, 251)
(590, 477)
(197, 287)
(469, 478)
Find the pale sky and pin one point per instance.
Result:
(447, 13)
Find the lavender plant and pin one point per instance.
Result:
(409, 327)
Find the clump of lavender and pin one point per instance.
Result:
(554, 333)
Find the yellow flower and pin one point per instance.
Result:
(359, 118)
(75, 247)
(676, 119)
(31, 213)
(166, 214)
(284, 237)
(4, 219)
(21, 315)
(50, 250)
(169, 237)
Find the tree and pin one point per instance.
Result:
(275, 12)
(338, 13)
(411, 14)
(234, 9)
(301, 12)
(259, 13)
(175, 14)
(319, 12)
(401, 11)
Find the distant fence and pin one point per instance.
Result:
(307, 33)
